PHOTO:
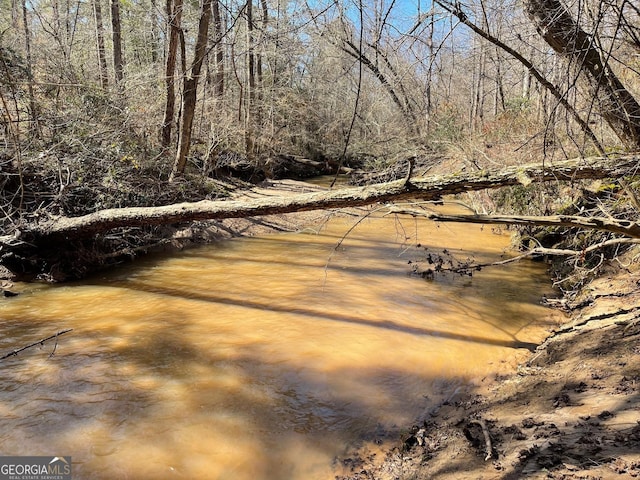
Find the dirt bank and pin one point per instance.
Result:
(571, 411)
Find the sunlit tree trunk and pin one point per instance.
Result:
(476, 113)
(174, 20)
(102, 60)
(189, 92)
(118, 59)
(526, 84)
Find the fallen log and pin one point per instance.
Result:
(425, 188)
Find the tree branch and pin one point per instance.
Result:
(623, 227)
(467, 268)
(39, 342)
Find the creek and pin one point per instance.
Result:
(260, 358)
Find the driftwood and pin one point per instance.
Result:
(426, 188)
(473, 436)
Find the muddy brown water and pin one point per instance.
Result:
(258, 358)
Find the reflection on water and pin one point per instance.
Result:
(258, 358)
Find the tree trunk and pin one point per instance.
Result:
(250, 88)
(526, 84)
(118, 61)
(425, 188)
(155, 36)
(174, 20)
(455, 9)
(477, 91)
(498, 94)
(616, 104)
(102, 59)
(259, 94)
(33, 109)
(218, 83)
(265, 26)
(189, 94)
(429, 79)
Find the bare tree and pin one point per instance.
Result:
(33, 111)
(219, 50)
(174, 21)
(565, 36)
(251, 85)
(189, 91)
(156, 47)
(102, 60)
(116, 27)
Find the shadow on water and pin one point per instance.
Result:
(98, 407)
(216, 374)
(299, 310)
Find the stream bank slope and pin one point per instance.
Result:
(570, 411)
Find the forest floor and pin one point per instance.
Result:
(571, 411)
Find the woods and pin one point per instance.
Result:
(117, 113)
(283, 77)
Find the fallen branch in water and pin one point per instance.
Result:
(39, 342)
(542, 251)
(468, 266)
(624, 227)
